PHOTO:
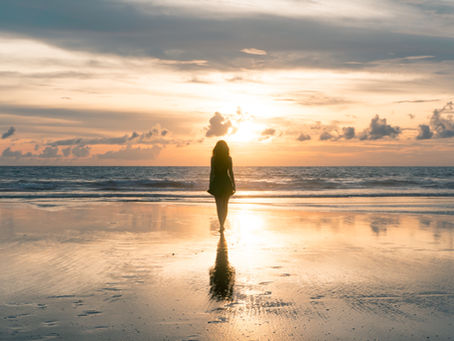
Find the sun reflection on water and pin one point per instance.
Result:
(247, 224)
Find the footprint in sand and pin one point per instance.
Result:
(89, 313)
(50, 323)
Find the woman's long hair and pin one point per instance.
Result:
(221, 153)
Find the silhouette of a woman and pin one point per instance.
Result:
(222, 181)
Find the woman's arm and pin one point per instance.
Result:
(231, 175)
(211, 172)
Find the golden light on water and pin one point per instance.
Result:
(247, 225)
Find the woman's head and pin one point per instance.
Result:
(221, 149)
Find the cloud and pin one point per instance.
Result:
(348, 133)
(418, 101)
(304, 137)
(439, 127)
(49, 152)
(134, 138)
(96, 119)
(132, 154)
(66, 151)
(379, 129)
(81, 151)
(127, 27)
(254, 51)
(313, 98)
(8, 153)
(9, 132)
(442, 127)
(218, 126)
(93, 141)
(326, 135)
(268, 132)
(424, 132)
(331, 131)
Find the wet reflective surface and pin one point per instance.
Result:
(222, 275)
(155, 271)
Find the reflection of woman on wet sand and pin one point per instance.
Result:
(222, 275)
(222, 182)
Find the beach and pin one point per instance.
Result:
(128, 129)
(147, 271)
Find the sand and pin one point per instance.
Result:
(137, 271)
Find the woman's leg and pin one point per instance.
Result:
(221, 207)
(225, 208)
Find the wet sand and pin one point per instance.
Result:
(135, 271)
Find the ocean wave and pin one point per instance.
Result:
(191, 185)
(203, 195)
(130, 184)
(185, 182)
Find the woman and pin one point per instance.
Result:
(222, 182)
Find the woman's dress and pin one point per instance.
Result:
(221, 183)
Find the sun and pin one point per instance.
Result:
(245, 132)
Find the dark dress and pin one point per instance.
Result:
(221, 184)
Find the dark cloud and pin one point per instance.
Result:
(49, 152)
(424, 132)
(133, 136)
(379, 129)
(127, 153)
(9, 132)
(442, 127)
(8, 153)
(143, 29)
(81, 151)
(444, 8)
(66, 151)
(348, 133)
(219, 126)
(332, 133)
(326, 135)
(304, 137)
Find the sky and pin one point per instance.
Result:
(284, 82)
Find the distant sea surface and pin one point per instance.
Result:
(425, 189)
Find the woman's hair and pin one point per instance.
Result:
(221, 151)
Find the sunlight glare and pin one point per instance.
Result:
(248, 225)
(245, 132)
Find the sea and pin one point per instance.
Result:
(401, 189)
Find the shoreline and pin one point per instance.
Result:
(385, 205)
